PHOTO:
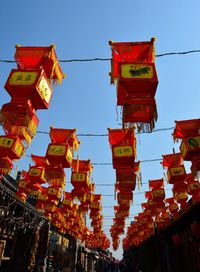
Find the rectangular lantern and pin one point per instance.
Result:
(37, 174)
(126, 195)
(5, 165)
(176, 174)
(15, 117)
(142, 111)
(30, 84)
(136, 80)
(11, 146)
(80, 180)
(123, 156)
(190, 147)
(158, 194)
(59, 154)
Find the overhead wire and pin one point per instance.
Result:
(108, 59)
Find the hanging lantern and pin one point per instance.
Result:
(19, 119)
(11, 146)
(5, 165)
(67, 200)
(188, 131)
(37, 172)
(190, 147)
(79, 179)
(50, 206)
(55, 176)
(126, 178)
(53, 193)
(30, 84)
(23, 184)
(123, 52)
(141, 111)
(124, 197)
(136, 80)
(176, 171)
(123, 145)
(195, 167)
(34, 189)
(180, 193)
(61, 150)
(172, 206)
(32, 57)
(81, 170)
(157, 193)
(186, 128)
(172, 160)
(193, 187)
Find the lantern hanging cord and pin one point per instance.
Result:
(109, 163)
(106, 135)
(108, 59)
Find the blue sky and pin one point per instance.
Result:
(86, 100)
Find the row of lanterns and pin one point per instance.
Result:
(134, 73)
(58, 206)
(158, 209)
(30, 88)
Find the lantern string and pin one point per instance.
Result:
(106, 134)
(109, 59)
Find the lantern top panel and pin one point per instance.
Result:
(36, 57)
(61, 135)
(172, 160)
(82, 166)
(156, 183)
(141, 52)
(121, 136)
(39, 160)
(186, 128)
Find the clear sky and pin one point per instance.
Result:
(86, 100)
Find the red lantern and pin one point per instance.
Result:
(19, 119)
(5, 165)
(53, 193)
(61, 150)
(124, 197)
(24, 85)
(180, 193)
(11, 146)
(67, 200)
(32, 57)
(34, 189)
(186, 128)
(176, 171)
(123, 145)
(80, 179)
(142, 111)
(136, 80)
(123, 52)
(36, 173)
(172, 160)
(55, 176)
(190, 147)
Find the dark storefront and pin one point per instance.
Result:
(175, 248)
